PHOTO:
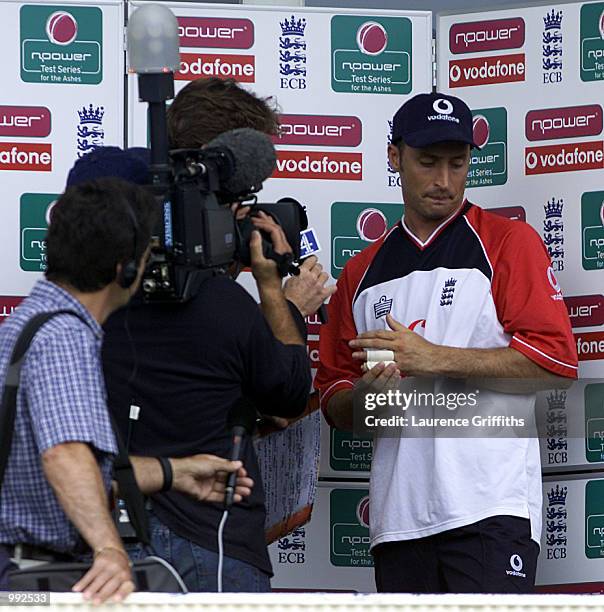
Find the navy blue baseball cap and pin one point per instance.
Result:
(429, 118)
(132, 165)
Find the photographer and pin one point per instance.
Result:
(58, 474)
(184, 365)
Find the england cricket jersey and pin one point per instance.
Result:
(479, 281)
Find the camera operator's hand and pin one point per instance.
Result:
(265, 270)
(307, 290)
(204, 476)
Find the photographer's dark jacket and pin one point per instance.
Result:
(193, 361)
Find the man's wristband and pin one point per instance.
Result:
(166, 468)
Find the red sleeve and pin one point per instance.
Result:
(337, 370)
(529, 302)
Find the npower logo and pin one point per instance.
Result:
(24, 121)
(569, 157)
(487, 70)
(487, 35)
(325, 165)
(567, 122)
(26, 156)
(585, 310)
(319, 130)
(215, 32)
(193, 66)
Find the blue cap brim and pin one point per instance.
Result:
(436, 134)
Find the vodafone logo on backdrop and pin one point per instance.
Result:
(215, 32)
(323, 165)
(26, 156)
(590, 346)
(568, 157)
(489, 35)
(24, 121)
(193, 66)
(319, 130)
(487, 70)
(568, 122)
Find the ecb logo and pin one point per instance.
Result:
(552, 47)
(592, 226)
(489, 166)
(371, 54)
(292, 53)
(61, 45)
(553, 232)
(90, 129)
(355, 226)
(592, 42)
(34, 217)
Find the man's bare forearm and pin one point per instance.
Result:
(277, 313)
(500, 369)
(73, 472)
(339, 409)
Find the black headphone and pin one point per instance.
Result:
(129, 271)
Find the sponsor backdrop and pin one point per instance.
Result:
(63, 95)
(534, 79)
(334, 546)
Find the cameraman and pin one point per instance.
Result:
(186, 364)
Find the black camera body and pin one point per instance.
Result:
(197, 235)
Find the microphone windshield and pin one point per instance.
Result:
(254, 159)
(242, 414)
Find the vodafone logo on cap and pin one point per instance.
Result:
(61, 28)
(372, 224)
(442, 106)
(372, 38)
(489, 35)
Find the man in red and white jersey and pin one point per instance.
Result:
(453, 292)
